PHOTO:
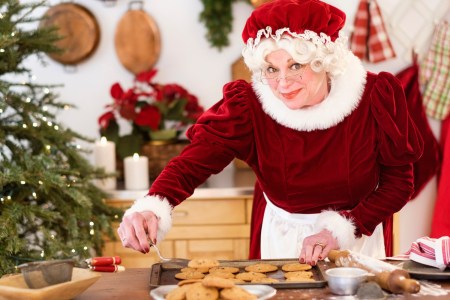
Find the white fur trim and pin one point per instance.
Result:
(342, 228)
(160, 206)
(345, 94)
(308, 35)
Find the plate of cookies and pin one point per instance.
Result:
(212, 288)
(278, 273)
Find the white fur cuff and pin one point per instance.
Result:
(342, 228)
(160, 206)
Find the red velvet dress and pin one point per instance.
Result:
(361, 167)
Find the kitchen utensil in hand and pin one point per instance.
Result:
(178, 261)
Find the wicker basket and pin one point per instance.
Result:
(159, 154)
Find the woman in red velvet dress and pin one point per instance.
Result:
(332, 145)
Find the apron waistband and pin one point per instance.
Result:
(290, 217)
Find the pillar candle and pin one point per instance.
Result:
(105, 157)
(136, 172)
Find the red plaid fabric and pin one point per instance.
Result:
(370, 40)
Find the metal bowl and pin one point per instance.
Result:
(345, 281)
(40, 274)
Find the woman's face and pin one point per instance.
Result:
(298, 86)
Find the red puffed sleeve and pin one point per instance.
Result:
(399, 144)
(222, 133)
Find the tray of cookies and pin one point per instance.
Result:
(278, 273)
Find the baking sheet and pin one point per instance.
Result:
(420, 271)
(164, 274)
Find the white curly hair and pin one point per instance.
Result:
(306, 48)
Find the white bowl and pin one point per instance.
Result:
(345, 281)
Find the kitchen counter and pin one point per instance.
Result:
(134, 284)
(230, 183)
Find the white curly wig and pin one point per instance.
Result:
(306, 48)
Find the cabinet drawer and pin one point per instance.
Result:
(204, 212)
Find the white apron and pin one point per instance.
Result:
(282, 234)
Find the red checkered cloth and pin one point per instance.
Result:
(435, 74)
(370, 40)
(431, 252)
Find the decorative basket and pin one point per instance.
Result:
(159, 154)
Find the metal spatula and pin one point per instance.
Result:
(175, 261)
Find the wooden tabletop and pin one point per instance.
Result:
(134, 284)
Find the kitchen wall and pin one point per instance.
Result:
(187, 58)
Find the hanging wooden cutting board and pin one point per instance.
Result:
(78, 28)
(137, 41)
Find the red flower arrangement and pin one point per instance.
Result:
(155, 112)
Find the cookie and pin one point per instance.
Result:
(188, 281)
(249, 276)
(178, 293)
(201, 270)
(265, 280)
(303, 274)
(261, 268)
(217, 282)
(236, 293)
(295, 267)
(189, 275)
(198, 291)
(203, 263)
(299, 279)
(224, 269)
(221, 274)
(237, 281)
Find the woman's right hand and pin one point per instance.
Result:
(137, 229)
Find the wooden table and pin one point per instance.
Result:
(134, 284)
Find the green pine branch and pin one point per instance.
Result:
(49, 206)
(218, 19)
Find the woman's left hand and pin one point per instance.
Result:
(316, 247)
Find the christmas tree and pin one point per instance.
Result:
(49, 206)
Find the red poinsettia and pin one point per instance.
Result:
(154, 110)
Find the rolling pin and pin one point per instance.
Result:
(389, 277)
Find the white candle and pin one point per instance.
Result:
(136, 172)
(105, 157)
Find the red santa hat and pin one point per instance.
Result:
(297, 16)
(307, 29)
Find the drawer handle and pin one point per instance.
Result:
(180, 214)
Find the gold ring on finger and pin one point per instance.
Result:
(321, 245)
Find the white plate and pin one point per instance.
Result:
(261, 291)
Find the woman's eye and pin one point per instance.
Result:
(296, 66)
(271, 70)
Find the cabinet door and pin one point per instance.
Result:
(222, 249)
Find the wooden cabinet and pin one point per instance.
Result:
(213, 223)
